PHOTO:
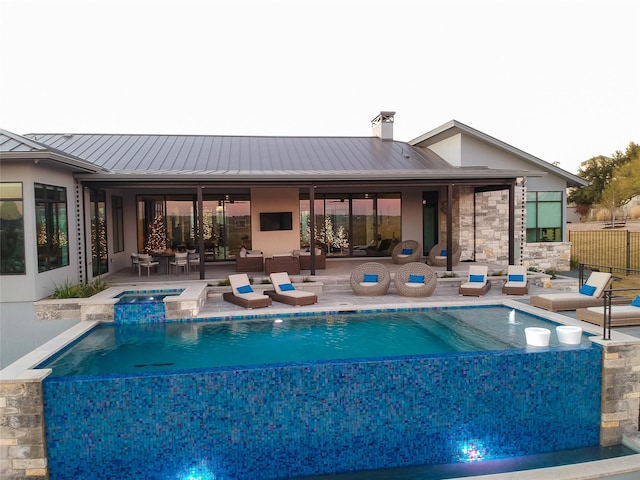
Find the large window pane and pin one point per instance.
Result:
(226, 222)
(11, 229)
(51, 226)
(544, 217)
(99, 241)
(356, 224)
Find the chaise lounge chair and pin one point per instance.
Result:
(477, 283)
(621, 315)
(438, 254)
(285, 292)
(406, 251)
(517, 283)
(242, 293)
(591, 294)
(370, 279)
(415, 279)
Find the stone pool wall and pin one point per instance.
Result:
(23, 451)
(620, 392)
(315, 418)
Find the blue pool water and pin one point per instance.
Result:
(252, 419)
(169, 346)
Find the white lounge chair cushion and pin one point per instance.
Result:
(562, 296)
(475, 272)
(598, 280)
(239, 280)
(516, 271)
(478, 285)
(282, 278)
(618, 309)
(414, 284)
(368, 284)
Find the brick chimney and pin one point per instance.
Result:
(382, 125)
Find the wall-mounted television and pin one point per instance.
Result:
(270, 221)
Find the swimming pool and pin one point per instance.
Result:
(286, 419)
(124, 349)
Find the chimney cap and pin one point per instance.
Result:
(383, 116)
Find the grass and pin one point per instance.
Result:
(627, 281)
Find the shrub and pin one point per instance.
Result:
(80, 290)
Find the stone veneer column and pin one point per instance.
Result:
(620, 392)
(23, 452)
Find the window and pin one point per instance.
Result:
(544, 217)
(117, 213)
(11, 229)
(353, 224)
(51, 227)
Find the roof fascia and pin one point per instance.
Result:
(75, 164)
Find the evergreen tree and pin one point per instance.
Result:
(157, 239)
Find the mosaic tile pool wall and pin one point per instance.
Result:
(318, 418)
(135, 313)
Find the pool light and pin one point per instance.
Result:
(277, 320)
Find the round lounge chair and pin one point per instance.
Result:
(406, 251)
(415, 279)
(436, 259)
(370, 279)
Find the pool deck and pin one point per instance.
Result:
(337, 295)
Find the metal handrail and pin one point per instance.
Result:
(608, 294)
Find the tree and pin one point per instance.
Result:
(624, 184)
(599, 171)
(157, 240)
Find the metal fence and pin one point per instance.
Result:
(618, 249)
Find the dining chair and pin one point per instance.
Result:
(180, 262)
(146, 261)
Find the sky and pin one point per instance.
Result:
(558, 79)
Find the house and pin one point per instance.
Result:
(75, 206)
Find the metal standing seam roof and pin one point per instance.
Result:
(20, 148)
(257, 157)
(189, 153)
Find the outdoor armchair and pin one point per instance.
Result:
(438, 254)
(415, 279)
(370, 278)
(406, 251)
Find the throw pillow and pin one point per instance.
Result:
(636, 301)
(370, 277)
(587, 289)
(516, 278)
(407, 251)
(245, 289)
(416, 278)
(286, 287)
(476, 278)
(443, 253)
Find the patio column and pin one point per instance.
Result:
(312, 228)
(200, 230)
(512, 223)
(450, 227)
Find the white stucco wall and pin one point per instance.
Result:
(275, 200)
(450, 149)
(33, 285)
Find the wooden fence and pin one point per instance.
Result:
(616, 248)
